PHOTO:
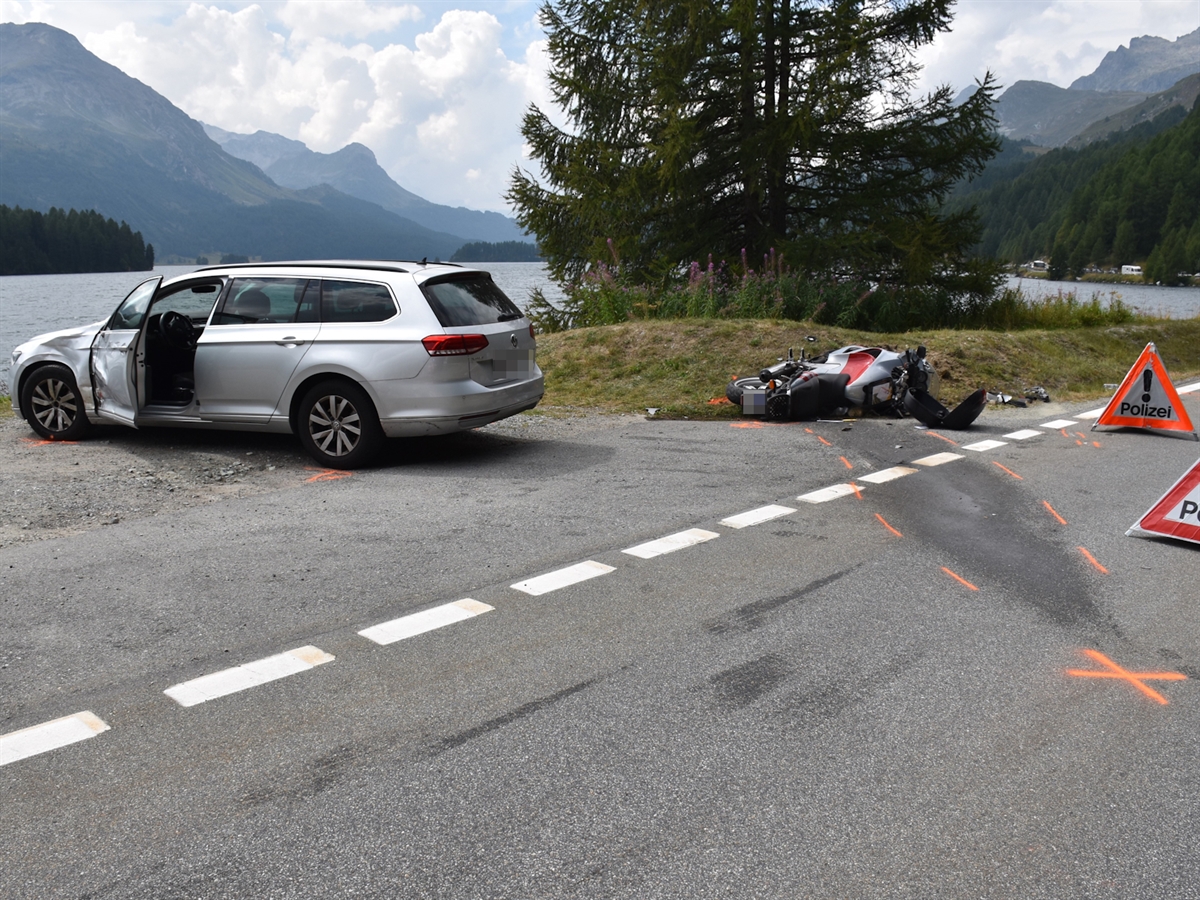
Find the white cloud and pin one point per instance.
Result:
(1045, 40)
(441, 111)
(309, 19)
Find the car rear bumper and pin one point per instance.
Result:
(471, 413)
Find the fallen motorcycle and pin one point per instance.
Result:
(868, 378)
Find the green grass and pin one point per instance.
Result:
(679, 365)
(6, 410)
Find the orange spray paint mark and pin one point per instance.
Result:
(1053, 512)
(44, 442)
(745, 424)
(1112, 670)
(959, 579)
(1095, 443)
(1093, 560)
(1081, 434)
(1079, 443)
(810, 431)
(941, 437)
(883, 522)
(849, 465)
(326, 474)
(823, 441)
(857, 492)
(1008, 470)
(1063, 432)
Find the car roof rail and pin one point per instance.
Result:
(383, 265)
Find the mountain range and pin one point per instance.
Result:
(1142, 77)
(354, 170)
(76, 132)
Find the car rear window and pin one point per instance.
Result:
(468, 299)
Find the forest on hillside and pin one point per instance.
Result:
(1128, 199)
(58, 242)
(499, 251)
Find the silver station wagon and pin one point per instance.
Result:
(340, 353)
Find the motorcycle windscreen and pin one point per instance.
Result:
(926, 409)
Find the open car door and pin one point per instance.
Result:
(113, 361)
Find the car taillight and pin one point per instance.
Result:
(531, 334)
(454, 344)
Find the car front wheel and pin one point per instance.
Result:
(338, 425)
(53, 405)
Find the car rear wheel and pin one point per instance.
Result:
(338, 425)
(53, 405)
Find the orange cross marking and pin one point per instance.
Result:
(1053, 512)
(1112, 670)
(941, 437)
(885, 524)
(959, 579)
(1095, 562)
(325, 474)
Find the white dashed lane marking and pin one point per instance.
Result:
(824, 495)
(49, 736)
(756, 516)
(427, 620)
(938, 459)
(1188, 388)
(981, 446)
(671, 543)
(248, 675)
(1090, 414)
(1024, 434)
(1060, 423)
(552, 581)
(885, 475)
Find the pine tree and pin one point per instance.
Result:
(750, 125)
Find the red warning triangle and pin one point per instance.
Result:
(1177, 513)
(1147, 399)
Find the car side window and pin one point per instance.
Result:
(195, 301)
(355, 301)
(266, 301)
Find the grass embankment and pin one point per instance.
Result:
(6, 409)
(679, 365)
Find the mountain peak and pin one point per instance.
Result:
(1148, 65)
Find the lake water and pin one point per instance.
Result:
(1170, 302)
(33, 304)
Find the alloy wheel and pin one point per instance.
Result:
(334, 424)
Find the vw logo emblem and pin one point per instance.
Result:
(513, 338)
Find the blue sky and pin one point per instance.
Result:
(437, 89)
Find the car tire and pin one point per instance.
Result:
(338, 425)
(53, 405)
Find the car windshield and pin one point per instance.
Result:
(468, 299)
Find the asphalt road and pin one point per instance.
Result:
(865, 697)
